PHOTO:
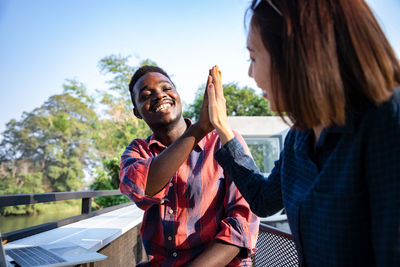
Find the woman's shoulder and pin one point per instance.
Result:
(394, 102)
(387, 112)
(383, 118)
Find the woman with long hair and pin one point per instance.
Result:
(327, 66)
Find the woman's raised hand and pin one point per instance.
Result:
(217, 107)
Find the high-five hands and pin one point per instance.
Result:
(213, 110)
(217, 106)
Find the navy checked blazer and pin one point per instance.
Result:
(341, 195)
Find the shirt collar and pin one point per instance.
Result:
(303, 136)
(300, 140)
(153, 141)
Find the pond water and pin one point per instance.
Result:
(12, 223)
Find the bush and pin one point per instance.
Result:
(108, 180)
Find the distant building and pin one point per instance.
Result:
(264, 135)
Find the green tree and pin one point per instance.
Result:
(239, 102)
(55, 139)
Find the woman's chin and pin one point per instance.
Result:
(272, 106)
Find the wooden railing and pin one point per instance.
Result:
(86, 211)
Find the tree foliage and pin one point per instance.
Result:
(239, 102)
(55, 140)
(108, 179)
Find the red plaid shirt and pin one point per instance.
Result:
(198, 205)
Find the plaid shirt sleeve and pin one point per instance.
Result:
(134, 168)
(240, 227)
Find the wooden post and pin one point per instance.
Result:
(86, 205)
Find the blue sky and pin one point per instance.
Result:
(44, 42)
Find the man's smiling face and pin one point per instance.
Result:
(156, 100)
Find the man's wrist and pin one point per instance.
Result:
(197, 131)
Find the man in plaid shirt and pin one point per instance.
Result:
(194, 213)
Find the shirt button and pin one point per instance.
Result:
(170, 238)
(171, 211)
(175, 254)
(171, 184)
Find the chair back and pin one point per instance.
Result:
(275, 247)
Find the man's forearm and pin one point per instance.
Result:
(164, 166)
(217, 254)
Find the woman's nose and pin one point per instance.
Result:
(250, 72)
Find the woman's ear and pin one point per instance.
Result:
(136, 113)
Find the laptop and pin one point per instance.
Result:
(55, 254)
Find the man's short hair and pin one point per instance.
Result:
(141, 72)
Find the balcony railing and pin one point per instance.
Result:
(86, 211)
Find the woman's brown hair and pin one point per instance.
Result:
(327, 57)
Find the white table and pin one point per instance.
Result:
(93, 233)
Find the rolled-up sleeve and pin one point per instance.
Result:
(134, 169)
(240, 227)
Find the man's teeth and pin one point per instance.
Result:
(162, 107)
